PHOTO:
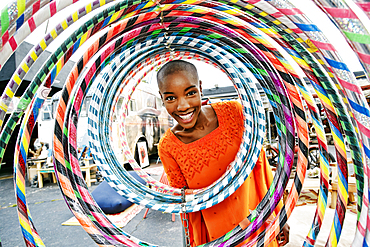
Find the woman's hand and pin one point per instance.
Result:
(189, 191)
(283, 236)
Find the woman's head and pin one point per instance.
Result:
(180, 90)
(176, 66)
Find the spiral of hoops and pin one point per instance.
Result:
(243, 39)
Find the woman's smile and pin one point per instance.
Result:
(186, 118)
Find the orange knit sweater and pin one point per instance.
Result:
(200, 163)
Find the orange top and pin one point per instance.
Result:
(198, 164)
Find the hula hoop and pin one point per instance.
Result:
(34, 54)
(321, 75)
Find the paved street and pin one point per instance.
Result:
(49, 210)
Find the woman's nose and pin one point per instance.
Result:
(183, 104)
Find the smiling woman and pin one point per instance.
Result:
(200, 147)
(262, 37)
(181, 92)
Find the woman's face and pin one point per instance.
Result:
(182, 98)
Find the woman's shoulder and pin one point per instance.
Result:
(229, 104)
(163, 145)
(168, 141)
(165, 138)
(228, 107)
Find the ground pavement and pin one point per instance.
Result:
(49, 211)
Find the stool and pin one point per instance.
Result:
(334, 187)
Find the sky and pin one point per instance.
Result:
(207, 73)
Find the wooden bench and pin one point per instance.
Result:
(89, 169)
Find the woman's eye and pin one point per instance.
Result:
(192, 93)
(169, 98)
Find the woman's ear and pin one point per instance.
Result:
(161, 97)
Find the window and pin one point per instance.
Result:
(133, 105)
(46, 113)
(150, 101)
(158, 104)
(85, 107)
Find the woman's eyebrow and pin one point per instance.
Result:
(186, 89)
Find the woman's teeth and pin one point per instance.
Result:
(186, 117)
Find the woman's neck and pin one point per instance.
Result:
(207, 122)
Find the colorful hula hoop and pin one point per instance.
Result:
(135, 35)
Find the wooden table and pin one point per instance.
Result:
(87, 168)
(310, 184)
(313, 185)
(334, 188)
(41, 171)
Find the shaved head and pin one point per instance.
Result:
(175, 66)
